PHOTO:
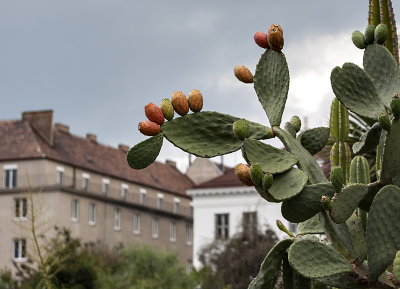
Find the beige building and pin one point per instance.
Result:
(89, 188)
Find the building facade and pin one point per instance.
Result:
(88, 188)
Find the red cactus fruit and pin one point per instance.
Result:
(154, 113)
(180, 103)
(149, 128)
(195, 99)
(275, 37)
(261, 39)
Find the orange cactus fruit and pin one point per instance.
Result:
(149, 128)
(242, 171)
(154, 113)
(195, 99)
(243, 74)
(261, 39)
(180, 103)
(275, 37)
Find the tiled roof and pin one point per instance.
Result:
(19, 141)
(228, 179)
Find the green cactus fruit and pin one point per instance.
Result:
(290, 129)
(267, 180)
(395, 106)
(359, 171)
(381, 33)
(369, 34)
(337, 178)
(167, 109)
(341, 156)
(396, 267)
(358, 39)
(241, 129)
(339, 121)
(256, 174)
(384, 121)
(296, 122)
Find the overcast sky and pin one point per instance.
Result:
(98, 63)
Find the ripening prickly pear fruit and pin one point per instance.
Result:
(167, 108)
(275, 37)
(395, 106)
(296, 123)
(384, 121)
(242, 171)
(267, 181)
(180, 103)
(243, 74)
(241, 129)
(149, 128)
(290, 129)
(359, 171)
(256, 174)
(358, 39)
(195, 99)
(381, 33)
(154, 113)
(396, 267)
(337, 178)
(369, 34)
(261, 39)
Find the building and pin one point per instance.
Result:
(223, 207)
(89, 188)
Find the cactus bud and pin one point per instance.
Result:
(384, 121)
(395, 106)
(358, 39)
(283, 228)
(256, 174)
(337, 178)
(275, 37)
(242, 171)
(369, 34)
(261, 39)
(180, 103)
(195, 99)
(267, 181)
(326, 203)
(243, 74)
(290, 129)
(167, 108)
(296, 123)
(154, 113)
(381, 33)
(241, 129)
(149, 128)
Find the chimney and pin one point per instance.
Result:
(41, 122)
(170, 163)
(61, 127)
(91, 137)
(123, 148)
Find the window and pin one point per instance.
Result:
(106, 187)
(20, 208)
(160, 199)
(10, 176)
(176, 205)
(155, 228)
(249, 222)
(85, 182)
(189, 234)
(74, 210)
(124, 191)
(136, 224)
(19, 249)
(222, 226)
(172, 232)
(60, 176)
(92, 214)
(142, 197)
(117, 219)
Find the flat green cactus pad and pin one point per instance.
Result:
(355, 89)
(383, 238)
(391, 152)
(288, 184)
(271, 83)
(307, 203)
(270, 267)
(314, 139)
(271, 159)
(368, 141)
(380, 64)
(342, 281)
(344, 203)
(357, 235)
(208, 134)
(311, 226)
(145, 152)
(314, 259)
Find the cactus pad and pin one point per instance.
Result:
(314, 259)
(288, 184)
(355, 89)
(368, 141)
(311, 226)
(208, 134)
(307, 203)
(271, 159)
(314, 140)
(145, 152)
(383, 239)
(343, 281)
(271, 83)
(391, 152)
(357, 236)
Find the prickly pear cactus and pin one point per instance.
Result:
(356, 221)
